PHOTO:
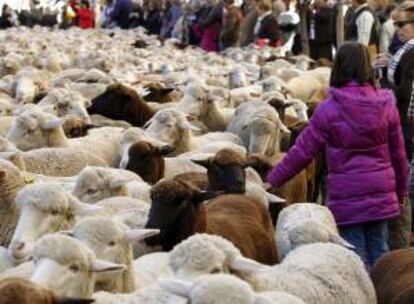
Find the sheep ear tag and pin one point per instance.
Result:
(177, 287)
(336, 239)
(105, 266)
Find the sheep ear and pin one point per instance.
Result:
(164, 150)
(186, 125)
(2, 174)
(283, 128)
(336, 239)
(176, 286)
(118, 182)
(202, 196)
(105, 266)
(88, 209)
(67, 232)
(274, 199)
(259, 299)
(136, 235)
(203, 162)
(52, 124)
(243, 264)
(167, 90)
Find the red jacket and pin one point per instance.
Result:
(86, 18)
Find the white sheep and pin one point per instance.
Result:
(66, 266)
(224, 289)
(112, 241)
(44, 208)
(34, 128)
(259, 126)
(305, 223)
(317, 273)
(172, 127)
(97, 183)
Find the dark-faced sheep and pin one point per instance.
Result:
(177, 210)
(158, 93)
(149, 162)
(22, 291)
(122, 103)
(393, 277)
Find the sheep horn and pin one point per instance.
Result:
(176, 286)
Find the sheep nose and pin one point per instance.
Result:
(17, 249)
(20, 246)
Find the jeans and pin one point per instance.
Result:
(369, 239)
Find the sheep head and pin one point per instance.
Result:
(45, 208)
(174, 204)
(68, 267)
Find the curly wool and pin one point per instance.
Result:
(47, 197)
(64, 250)
(198, 251)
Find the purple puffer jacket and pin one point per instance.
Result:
(359, 128)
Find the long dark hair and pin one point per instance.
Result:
(352, 63)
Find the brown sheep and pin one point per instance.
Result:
(177, 210)
(75, 127)
(393, 277)
(22, 291)
(157, 93)
(293, 191)
(122, 103)
(147, 161)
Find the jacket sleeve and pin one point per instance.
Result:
(397, 151)
(307, 146)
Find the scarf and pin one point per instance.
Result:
(392, 67)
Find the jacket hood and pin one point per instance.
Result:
(365, 108)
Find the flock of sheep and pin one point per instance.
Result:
(132, 171)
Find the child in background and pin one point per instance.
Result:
(358, 127)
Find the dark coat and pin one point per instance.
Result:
(230, 32)
(321, 46)
(269, 29)
(121, 12)
(247, 27)
(404, 78)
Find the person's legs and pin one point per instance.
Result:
(354, 234)
(399, 229)
(376, 236)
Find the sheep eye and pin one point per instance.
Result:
(111, 243)
(54, 212)
(91, 191)
(74, 268)
(215, 270)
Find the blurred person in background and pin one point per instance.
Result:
(121, 12)
(320, 20)
(266, 28)
(86, 16)
(230, 30)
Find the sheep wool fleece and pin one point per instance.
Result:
(359, 128)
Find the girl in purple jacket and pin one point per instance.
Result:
(358, 127)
